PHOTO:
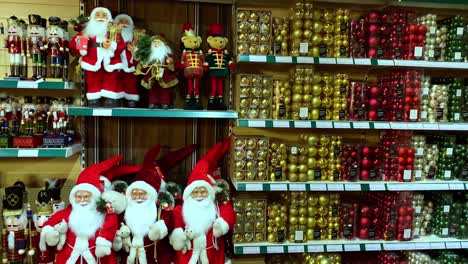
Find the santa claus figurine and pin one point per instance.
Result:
(14, 44)
(81, 233)
(201, 221)
(126, 77)
(44, 254)
(158, 70)
(100, 45)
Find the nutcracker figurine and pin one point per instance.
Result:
(54, 186)
(24, 49)
(40, 116)
(192, 60)
(126, 77)
(28, 112)
(159, 67)
(218, 63)
(65, 54)
(6, 114)
(36, 35)
(44, 254)
(14, 44)
(56, 115)
(44, 52)
(54, 46)
(15, 233)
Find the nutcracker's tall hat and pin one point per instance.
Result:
(116, 172)
(43, 22)
(64, 25)
(34, 20)
(201, 175)
(54, 186)
(13, 201)
(152, 176)
(13, 21)
(188, 30)
(44, 203)
(54, 21)
(216, 30)
(88, 180)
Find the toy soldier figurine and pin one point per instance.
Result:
(44, 254)
(54, 186)
(14, 234)
(192, 60)
(54, 46)
(6, 114)
(14, 45)
(66, 52)
(24, 49)
(44, 52)
(36, 35)
(40, 116)
(218, 63)
(28, 113)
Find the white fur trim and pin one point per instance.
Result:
(42, 242)
(110, 67)
(125, 68)
(133, 97)
(199, 183)
(163, 228)
(83, 52)
(113, 46)
(177, 239)
(118, 200)
(100, 241)
(89, 67)
(223, 224)
(84, 187)
(107, 184)
(93, 96)
(152, 194)
(112, 95)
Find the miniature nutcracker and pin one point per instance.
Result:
(28, 112)
(36, 35)
(54, 186)
(55, 47)
(201, 221)
(14, 44)
(126, 77)
(16, 115)
(6, 115)
(44, 254)
(159, 67)
(66, 52)
(44, 52)
(40, 116)
(218, 63)
(56, 115)
(192, 60)
(24, 49)
(100, 45)
(15, 233)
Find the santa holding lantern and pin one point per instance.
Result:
(201, 221)
(100, 45)
(81, 233)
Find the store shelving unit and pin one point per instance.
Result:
(40, 152)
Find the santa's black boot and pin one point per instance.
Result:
(94, 103)
(131, 104)
(212, 104)
(221, 104)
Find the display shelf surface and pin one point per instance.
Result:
(426, 243)
(350, 61)
(268, 123)
(140, 112)
(40, 152)
(28, 84)
(429, 185)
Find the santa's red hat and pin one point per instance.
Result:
(201, 175)
(216, 30)
(221, 149)
(88, 180)
(115, 172)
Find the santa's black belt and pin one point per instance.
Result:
(93, 44)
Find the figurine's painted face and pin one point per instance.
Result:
(39, 220)
(13, 30)
(156, 43)
(83, 198)
(15, 222)
(139, 195)
(34, 31)
(58, 206)
(101, 16)
(124, 21)
(53, 33)
(200, 193)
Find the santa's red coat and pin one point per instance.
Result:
(215, 256)
(107, 231)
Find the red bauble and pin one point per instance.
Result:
(421, 38)
(364, 175)
(364, 222)
(372, 115)
(373, 29)
(410, 152)
(401, 161)
(373, 42)
(366, 151)
(372, 53)
(373, 17)
(411, 37)
(401, 152)
(374, 92)
(363, 234)
(365, 210)
(374, 103)
(413, 28)
(422, 30)
(409, 160)
(408, 100)
(402, 211)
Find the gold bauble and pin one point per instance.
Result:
(322, 222)
(324, 140)
(264, 50)
(253, 113)
(316, 14)
(310, 235)
(242, 48)
(312, 140)
(265, 17)
(271, 238)
(297, 23)
(308, 23)
(311, 162)
(254, 37)
(250, 176)
(313, 199)
(316, 89)
(324, 199)
(303, 168)
(245, 92)
(253, 49)
(243, 28)
(327, 90)
(323, 151)
(242, 15)
(302, 220)
(284, 32)
(293, 212)
(314, 52)
(306, 98)
(328, 27)
(316, 39)
(297, 89)
(316, 101)
(311, 222)
(317, 26)
(239, 176)
(253, 17)
(326, 102)
(259, 237)
(322, 163)
(297, 33)
(292, 176)
(327, 39)
(297, 98)
(293, 220)
(307, 88)
(292, 168)
(311, 211)
(314, 114)
(302, 177)
(242, 37)
(308, 34)
(266, 92)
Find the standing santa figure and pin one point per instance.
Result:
(201, 221)
(159, 67)
(81, 233)
(100, 46)
(126, 77)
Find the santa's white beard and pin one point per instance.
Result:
(139, 216)
(199, 215)
(159, 54)
(127, 34)
(96, 29)
(84, 221)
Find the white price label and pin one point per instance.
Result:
(432, 30)
(417, 209)
(459, 31)
(447, 174)
(28, 153)
(413, 114)
(27, 84)
(324, 124)
(295, 249)
(346, 61)
(102, 112)
(304, 112)
(381, 125)
(335, 187)
(407, 174)
(278, 187)
(457, 55)
(281, 123)
(449, 151)
(302, 124)
(327, 61)
(423, 114)
(361, 125)
(418, 174)
(445, 231)
(416, 231)
(431, 53)
(373, 247)
(253, 187)
(446, 209)
(334, 248)
(438, 245)
(358, 61)
(293, 150)
(456, 116)
(352, 248)
(407, 233)
(459, 93)
(275, 249)
(418, 51)
(342, 125)
(425, 91)
(256, 123)
(283, 59)
(257, 58)
(420, 246)
(297, 187)
(452, 245)
(318, 187)
(315, 248)
(304, 48)
(251, 250)
(352, 186)
(299, 235)
(420, 152)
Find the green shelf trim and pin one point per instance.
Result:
(40, 152)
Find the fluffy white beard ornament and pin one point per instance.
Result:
(199, 215)
(127, 33)
(159, 54)
(139, 216)
(96, 28)
(85, 220)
